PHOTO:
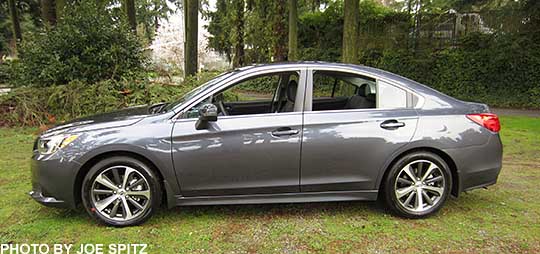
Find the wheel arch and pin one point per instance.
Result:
(83, 171)
(453, 168)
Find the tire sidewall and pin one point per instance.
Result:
(154, 186)
(391, 179)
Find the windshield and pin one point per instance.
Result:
(196, 91)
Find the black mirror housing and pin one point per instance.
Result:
(207, 113)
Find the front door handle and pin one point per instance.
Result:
(284, 131)
(392, 124)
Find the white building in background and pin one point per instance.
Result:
(168, 45)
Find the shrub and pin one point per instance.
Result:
(34, 106)
(87, 44)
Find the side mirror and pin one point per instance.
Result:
(207, 113)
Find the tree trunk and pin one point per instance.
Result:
(239, 39)
(60, 5)
(47, 13)
(131, 14)
(293, 30)
(191, 30)
(280, 32)
(350, 32)
(17, 36)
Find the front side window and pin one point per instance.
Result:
(269, 93)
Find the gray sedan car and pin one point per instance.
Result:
(278, 133)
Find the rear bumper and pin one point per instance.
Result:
(478, 166)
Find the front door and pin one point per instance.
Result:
(244, 151)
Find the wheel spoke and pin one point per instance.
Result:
(427, 198)
(102, 204)
(404, 191)
(140, 181)
(432, 166)
(126, 176)
(135, 203)
(105, 181)
(418, 203)
(434, 179)
(116, 175)
(438, 190)
(103, 192)
(126, 209)
(144, 193)
(114, 210)
(420, 168)
(404, 181)
(409, 199)
(410, 173)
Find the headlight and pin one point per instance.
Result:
(50, 145)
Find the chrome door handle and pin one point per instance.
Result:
(392, 124)
(284, 132)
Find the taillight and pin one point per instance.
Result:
(488, 120)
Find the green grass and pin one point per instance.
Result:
(505, 218)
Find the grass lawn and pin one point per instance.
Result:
(505, 218)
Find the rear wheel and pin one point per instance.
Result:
(417, 185)
(121, 191)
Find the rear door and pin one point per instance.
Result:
(345, 148)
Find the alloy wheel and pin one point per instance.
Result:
(419, 186)
(120, 193)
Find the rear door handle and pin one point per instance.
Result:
(284, 131)
(392, 124)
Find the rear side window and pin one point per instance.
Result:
(338, 91)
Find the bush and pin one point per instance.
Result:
(35, 106)
(499, 70)
(88, 44)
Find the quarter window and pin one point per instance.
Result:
(390, 96)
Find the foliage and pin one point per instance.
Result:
(500, 70)
(31, 106)
(88, 44)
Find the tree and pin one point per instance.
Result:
(238, 35)
(16, 26)
(191, 30)
(131, 14)
(47, 12)
(350, 31)
(279, 31)
(293, 30)
(60, 5)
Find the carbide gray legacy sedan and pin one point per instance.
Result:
(279, 133)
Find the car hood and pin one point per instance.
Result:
(112, 119)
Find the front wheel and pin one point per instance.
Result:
(121, 191)
(417, 185)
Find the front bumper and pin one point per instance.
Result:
(53, 180)
(47, 201)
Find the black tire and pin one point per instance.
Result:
(390, 185)
(152, 184)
